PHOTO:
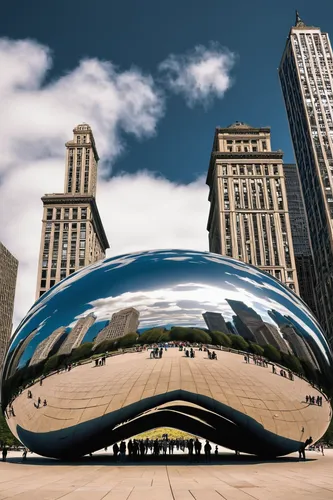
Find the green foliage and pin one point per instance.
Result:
(6, 437)
(256, 349)
(128, 340)
(219, 338)
(53, 363)
(82, 352)
(106, 345)
(271, 353)
(193, 335)
(239, 343)
(290, 361)
(154, 336)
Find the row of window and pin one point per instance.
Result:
(245, 169)
(255, 194)
(246, 146)
(251, 229)
(65, 214)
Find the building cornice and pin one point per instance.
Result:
(255, 155)
(79, 199)
(243, 131)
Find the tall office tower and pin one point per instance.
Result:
(8, 275)
(52, 342)
(248, 217)
(300, 236)
(77, 334)
(306, 75)
(72, 232)
(215, 321)
(122, 322)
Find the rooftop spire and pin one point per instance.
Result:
(298, 21)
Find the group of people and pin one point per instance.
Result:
(156, 353)
(211, 355)
(312, 400)
(190, 353)
(137, 448)
(283, 373)
(39, 401)
(258, 360)
(100, 361)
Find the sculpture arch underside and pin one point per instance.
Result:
(196, 414)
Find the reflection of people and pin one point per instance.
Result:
(4, 454)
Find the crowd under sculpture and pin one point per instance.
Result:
(264, 394)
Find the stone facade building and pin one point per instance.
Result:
(72, 231)
(306, 76)
(122, 322)
(249, 217)
(8, 275)
(300, 236)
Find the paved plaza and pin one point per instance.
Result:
(96, 479)
(88, 392)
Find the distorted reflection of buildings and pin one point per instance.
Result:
(246, 320)
(51, 343)
(269, 334)
(77, 334)
(215, 322)
(121, 323)
(18, 352)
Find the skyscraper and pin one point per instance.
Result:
(121, 323)
(8, 275)
(45, 347)
(300, 236)
(77, 334)
(248, 217)
(72, 231)
(215, 321)
(306, 75)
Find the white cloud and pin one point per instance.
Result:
(139, 211)
(199, 75)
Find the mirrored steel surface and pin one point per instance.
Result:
(72, 383)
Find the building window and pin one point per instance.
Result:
(48, 227)
(83, 213)
(81, 262)
(58, 213)
(43, 283)
(44, 263)
(41, 292)
(44, 274)
(78, 139)
(52, 283)
(49, 214)
(74, 214)
(66, 214)
(264, 145)
(62, 274)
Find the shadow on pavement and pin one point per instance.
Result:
(149, 460)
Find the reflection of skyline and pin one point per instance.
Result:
(76, 335)
(121, 323)
(43, 350)
(166, 292)
(18, 353)
(215, 321)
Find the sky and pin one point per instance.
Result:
(153, 80)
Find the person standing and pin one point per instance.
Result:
(122, 449)
(197, 446)
(208, 450)
(115, 448)
(4, 454)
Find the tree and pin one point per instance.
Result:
(154, 336)
(193, 335)
(128, 340)
(219, 338)
(256, 349)
(290, 361)
(53, 363)
(84, 351)
(271, 353)
(6, 437)
(239, 343)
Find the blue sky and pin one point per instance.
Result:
(143, 33)
(154, 146)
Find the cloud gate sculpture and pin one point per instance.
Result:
(80, 375)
